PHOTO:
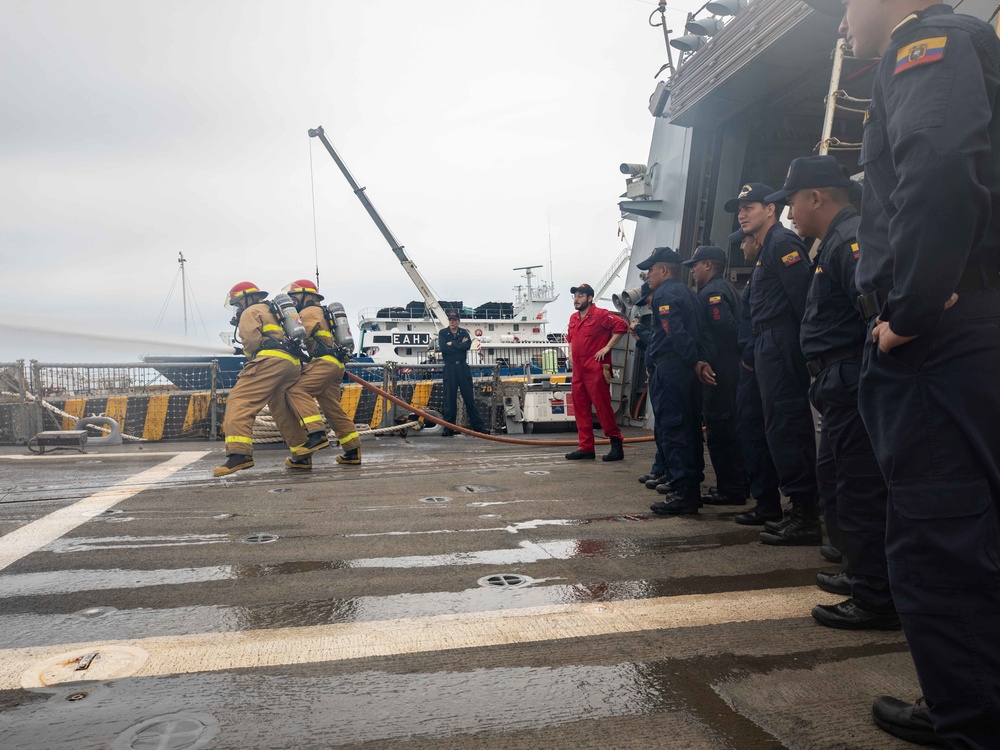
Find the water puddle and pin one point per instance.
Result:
(91, 544)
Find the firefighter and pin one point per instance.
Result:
(272, 367)
(321, 378)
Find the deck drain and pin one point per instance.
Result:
(260, 539)
(435, 499)
(92, 612)
(505, 581)
(74, 697)
(475, 488)
(97, 664)
(536, 473)
(180, 731)
(282, 489)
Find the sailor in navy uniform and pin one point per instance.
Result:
(750, 412)
(454, 343)
(832, 337)
(929, 276)
(722, 306)
(675, 391)
(778, 287)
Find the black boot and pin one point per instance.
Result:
(684, 503)
(616, 453)
(314, 441)
(234, 462)
(351, 457)
(801, 528)
(579, 455)
(301, 464)
(908, 721)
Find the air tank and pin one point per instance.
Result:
(339, 325)
(284, 309)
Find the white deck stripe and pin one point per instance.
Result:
(37, 534)
(211, 652)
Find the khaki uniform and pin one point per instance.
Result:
(321, 380)
(265, 379)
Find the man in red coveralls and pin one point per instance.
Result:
(592, 333)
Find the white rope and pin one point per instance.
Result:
(266, 431)
(66, 415)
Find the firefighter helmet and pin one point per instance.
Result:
(243, 289)
(303, 286)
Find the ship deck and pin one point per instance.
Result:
(347, 607)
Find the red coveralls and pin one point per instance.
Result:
(587, 336)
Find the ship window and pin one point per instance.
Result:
(404, 351)
(517, 327)
(382, 339)
(491, 326)
(409, 327)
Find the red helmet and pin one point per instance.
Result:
(242, 289)
(303, 286)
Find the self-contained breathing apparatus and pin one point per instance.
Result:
(343, 341)
(293, 340)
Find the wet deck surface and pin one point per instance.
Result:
(348, 608)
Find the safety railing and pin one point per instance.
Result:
(182, 400)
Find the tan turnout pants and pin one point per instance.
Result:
(320, 380)
(265, 380)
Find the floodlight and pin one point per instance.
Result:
(688, 42)
(704, 26)
(725, 7)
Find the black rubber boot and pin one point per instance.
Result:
(301, 464)
(351, 457)
(617, 452)
(801, 529)
(579, 455)
(234, 462)
(314, 441)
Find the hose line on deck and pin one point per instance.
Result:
(473, 433)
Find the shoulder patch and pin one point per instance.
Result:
(664, 309)
(921, 52)
(715, 299)
(855, 250)
(792, 258)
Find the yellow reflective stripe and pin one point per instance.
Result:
(270, 327)
(310, 420)
(277, 353)
(324, 334)
(294, 448)
(239, 439)
(335, 361)
(348, 438)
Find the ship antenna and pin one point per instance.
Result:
(312, 189)
(184, 295)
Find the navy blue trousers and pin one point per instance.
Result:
(853, 491)
(932, 408)
(719, 406)
(753, 442)
(675, 392)
(788, 421)
(458, 377)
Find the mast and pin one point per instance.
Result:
(184, 295)
(430, 301)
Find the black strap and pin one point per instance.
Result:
(767, 325)
(832, 357)
(871, 303)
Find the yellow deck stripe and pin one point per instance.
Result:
(197, 411)
(76, 407)
(422, 394)
(377, 412)
(215, 652)
(350, 397)
(117, 408)
(156, 416)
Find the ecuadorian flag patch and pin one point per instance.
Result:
(920, 53)
(792, 258)
(855, 250)
(664, 309)
(715, 299)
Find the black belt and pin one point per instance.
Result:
(975, 276)
(824, 360)
(767, 325)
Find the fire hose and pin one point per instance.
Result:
(494, 438)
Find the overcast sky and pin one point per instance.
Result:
(133, 130)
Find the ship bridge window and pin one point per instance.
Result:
(517, 327)
(490, 326)
(404, 351)
(382, 339)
